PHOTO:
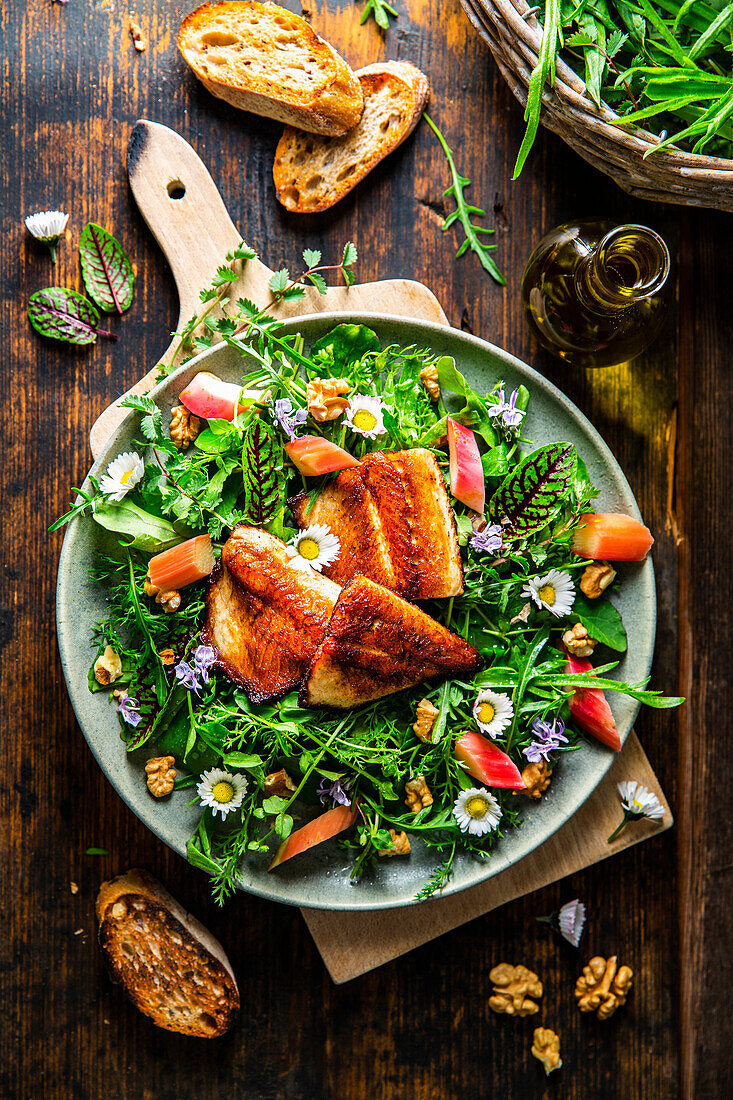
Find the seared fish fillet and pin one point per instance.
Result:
(393, 518)
(265, 618)
(378, 643)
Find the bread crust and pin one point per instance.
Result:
(340, 164)
(169, 965)
(234, 50)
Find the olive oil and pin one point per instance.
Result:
(593, 292)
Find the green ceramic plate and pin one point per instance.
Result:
(320, 879)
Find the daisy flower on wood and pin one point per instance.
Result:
(313, 548)
(476, 811)
(221, 791)
(365, 416)
(637, 801)
(492, 712)
(568, 921)
(47, 226)
(122, 475)
(555, 592)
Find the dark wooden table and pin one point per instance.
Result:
(72, 87)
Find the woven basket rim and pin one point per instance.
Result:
(571, 93)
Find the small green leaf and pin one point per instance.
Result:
(348, 344)
(279, 280)
(106, 269)
(142, 530)
(242, 760)
(350, 254)
(63, 314)
(602, 621)
(312, 257)
(96, 852)
(274, 804)
(283, 826)
(318, 282)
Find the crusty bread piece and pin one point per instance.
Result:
(262, 58)
(312, 174)
(168, 964)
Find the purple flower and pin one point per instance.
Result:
(129, 708)
(287, 418)
(539, 750)
(548, 737)
(337, 790)
(203, 658)
(487, 541)
(507, 411)
(188, 676)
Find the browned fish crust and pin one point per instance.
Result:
(264, 617)
(377, 644)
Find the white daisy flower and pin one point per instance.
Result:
(47, 226)
(122, 475)
(313, 548)
(221, 791)
(571, 921)
(365, 416)
(476, 811)
(639, 801)
(492, 712)
(555, 592)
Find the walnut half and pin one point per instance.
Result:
(401, 843)
(418, 794)
(603, 985)
(596, 578)
(536, 779)
(168, 600)
(185, 427)
(425, 715)
(578, 641)
(429, 379)
(325, 397)
(107, 667)
(546, 1048)
(514, 986)
(161, 775)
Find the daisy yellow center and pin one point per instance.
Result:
(126, 477)
(364, 420)
(222, 792)
(308, 549)
(486, 713)
(476, 806)
(547, 594)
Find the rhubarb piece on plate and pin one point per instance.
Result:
(264, 617)
(184, 564)
(486, 762)
(377, 644)
(589, 708)
(313, 456)
(315, 832)
(611, 536)
(467, 482)
(213, 399)
(395, 524)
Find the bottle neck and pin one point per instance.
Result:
(629, 265)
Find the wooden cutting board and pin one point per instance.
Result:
(186, 214)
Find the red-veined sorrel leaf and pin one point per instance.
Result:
(65, 315)
(106, 269)
(533, 492)
(261, 457)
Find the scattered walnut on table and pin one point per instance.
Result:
(578, 641)
(546, 1048)
(418, 794)
(596, 578)
(401, 843)
(536, 779)
(139, 40)
(325, 398)
(107, 667)
(184, 428)
(279, 783)
(603, 985)
(514, 986)
(425, 715)
(429, 379)
(161, 775)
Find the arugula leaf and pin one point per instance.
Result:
(261, 460)
(142, 530)
(66, 315)
(533, 493)
(602, 621)
(106, 269)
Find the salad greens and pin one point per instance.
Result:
(171, 702)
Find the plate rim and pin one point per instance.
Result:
(66, 643)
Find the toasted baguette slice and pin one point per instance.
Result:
(168, 964)
(262, 58)
(312, 174)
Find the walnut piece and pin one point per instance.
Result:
(185, 427)
(401, 843)
(139, 40)
(536, 779)
(167, 657)
(546, 1048)
(578, 641)
(324, 398)
(161, 775)
(168, 600)
(596, 578)
(418, 794)
(513, 988)
(429, 379)
(279, 783)
(603, 985)
(107, 667)
(425, 715)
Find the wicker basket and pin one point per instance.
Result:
(514, 36)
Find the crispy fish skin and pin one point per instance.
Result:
(393, 517)
(377, 644)
(264, 617)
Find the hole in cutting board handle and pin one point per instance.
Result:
(176, 189)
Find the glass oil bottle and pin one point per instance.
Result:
(593, 292)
